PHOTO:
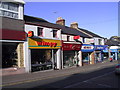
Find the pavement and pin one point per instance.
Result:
(42, 75)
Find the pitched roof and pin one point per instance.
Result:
(42, 22)
(113, 41)
(90, 33)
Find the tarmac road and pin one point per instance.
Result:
(91, 76)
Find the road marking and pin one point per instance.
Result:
(86, 81)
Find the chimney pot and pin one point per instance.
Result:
(74, 25)
(60, 21)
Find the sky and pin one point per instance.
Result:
(98, 17)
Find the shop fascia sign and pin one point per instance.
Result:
(100, 47)
(87, 47)
(43, 43)
(66, 46)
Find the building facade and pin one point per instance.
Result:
(12, 34)
(89, 53)
(43, 45)
(72, 41)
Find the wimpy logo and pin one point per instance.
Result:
(51, 44)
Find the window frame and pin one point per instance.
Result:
(7, 12)
(40, 31)
(68, 38)
(55, 34)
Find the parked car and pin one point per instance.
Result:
(117, 69)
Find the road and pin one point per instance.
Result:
(100, 78)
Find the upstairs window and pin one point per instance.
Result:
(40, 32)
(99, 41)
(9, 9)
(68, 38)
(55, 33)
(9, 6)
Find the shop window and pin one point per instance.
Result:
(70, 59)
(55, 33)
(9, 55)
(40, 32)
(42, 59)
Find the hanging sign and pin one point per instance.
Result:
(30, 34)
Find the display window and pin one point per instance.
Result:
(9, 55)
(41, 59)
(70, 59)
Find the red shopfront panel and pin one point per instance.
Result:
(66, 46)
(12, 34)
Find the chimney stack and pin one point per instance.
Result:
(60, 21)
(74, 25)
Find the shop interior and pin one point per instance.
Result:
(9, 55)
(86, 58)
(70, 59)
(41, 59)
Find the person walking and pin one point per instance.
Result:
(111, 59)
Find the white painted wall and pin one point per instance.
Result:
(64, 37)
(97, 41)
(21, 11)
(27, 57)
(31, 28)
(47, 32)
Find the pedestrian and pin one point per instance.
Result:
(111, 59)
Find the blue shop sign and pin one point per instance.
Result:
(87, 48)
(100, 47)
(111, 50)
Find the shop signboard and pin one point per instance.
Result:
(68, 46)
(100, 47)
(111, 50)
(87, 48)
(37, 43)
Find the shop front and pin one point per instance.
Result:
(70, 54)
(45, 54)
(114, 52)
(99, 55)
(87, 54)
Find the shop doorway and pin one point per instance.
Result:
(86, 58)
(105, 56)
